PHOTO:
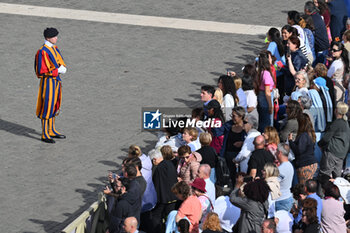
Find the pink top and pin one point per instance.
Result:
(266, 80)
(192, 209)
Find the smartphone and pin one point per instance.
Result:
(114, 176)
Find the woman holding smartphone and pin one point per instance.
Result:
(295, 62)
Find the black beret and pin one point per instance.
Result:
(50, 32)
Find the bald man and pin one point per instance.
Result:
(130, 225)
(259, 158)
(204, 173)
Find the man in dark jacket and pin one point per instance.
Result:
(335, 143)
(320, 33)
(126, 205)
(339, 16)
(164, 177)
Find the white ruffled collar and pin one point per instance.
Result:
(48, 43)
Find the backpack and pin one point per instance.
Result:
(222, 172)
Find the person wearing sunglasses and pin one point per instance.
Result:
(338, 68)
(309, 221)
(188, 165)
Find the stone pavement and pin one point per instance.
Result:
(113, 71)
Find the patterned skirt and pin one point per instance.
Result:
(306, 173)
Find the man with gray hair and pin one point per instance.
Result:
(250, 126)
(285, 201)
(204, 173)
(321, 37)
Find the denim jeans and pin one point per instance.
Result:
(265, 118)
(285, 204)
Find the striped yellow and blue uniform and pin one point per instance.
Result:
(47, 61)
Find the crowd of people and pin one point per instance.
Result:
(277, 160)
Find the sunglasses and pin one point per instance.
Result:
(245, 122)
(335, 50)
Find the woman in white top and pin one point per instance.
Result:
(248, 85)
(338, 68)
(228, 88)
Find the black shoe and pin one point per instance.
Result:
(48, 140)
(60, 136)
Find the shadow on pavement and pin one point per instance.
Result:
(89, 196)
(189, 103)
(216, 74)
(200, 84)
(18, 129)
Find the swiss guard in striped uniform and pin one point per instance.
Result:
(48, 66)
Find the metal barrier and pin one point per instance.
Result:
(83, 222)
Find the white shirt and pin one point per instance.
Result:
(336, 65)
(301, 35)
(228, 213)
(195, 145)
(247, 149)
(48, 43)
(210, 187)
(174, 141)
(252, 100)
(285, 221)
(302, 90)
(228, 103)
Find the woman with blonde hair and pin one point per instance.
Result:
(212, 223)
(219, 96)
(190, 136)
(271, 174)
(272, 140)
(240, 93)
(146, 170)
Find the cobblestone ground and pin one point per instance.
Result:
(113, 71)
